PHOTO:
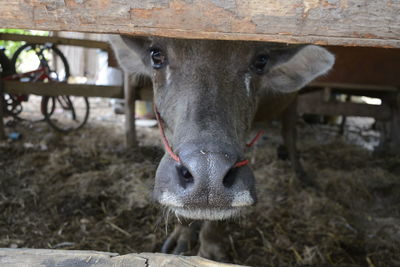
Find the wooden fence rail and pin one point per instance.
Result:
(334, 22)
(80, 258)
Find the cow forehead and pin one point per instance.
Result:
(211, 51)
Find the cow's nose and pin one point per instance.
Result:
(204, 168)
(186, 178)
(205, 178)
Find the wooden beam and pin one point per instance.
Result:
(55, 40)
(350, 86)
(54, 89)
(81, 258)
(364, 66)
(330, 108)
(335, 22)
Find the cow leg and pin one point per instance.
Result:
(183, 239)
(213, 241)
(289, 134)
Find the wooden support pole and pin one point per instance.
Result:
(130, 129)
(390, 129)
(2, 106)
(344, 118)
(395, 124)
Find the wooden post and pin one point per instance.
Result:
(395, 124)
(327, 95)
(390, 129)
(129, 95)
(2, 106)
(344, 118)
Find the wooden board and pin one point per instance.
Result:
(318, 102)
(333, 22)
(55, 40)
(354, 86)
(343, 109)
(54, 89)
(81, 258)
(364, 66)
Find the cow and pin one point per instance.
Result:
(206, 95)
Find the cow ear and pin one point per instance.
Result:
(131, 52)
(299, 68)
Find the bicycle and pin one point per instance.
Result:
(43, 63)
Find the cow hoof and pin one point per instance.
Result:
(182, 240)
(213, 252)
(213, 242)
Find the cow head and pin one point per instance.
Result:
(206, 93)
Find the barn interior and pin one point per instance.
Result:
(90, 188)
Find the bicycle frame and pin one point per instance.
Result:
(40, 74)
(56, 106)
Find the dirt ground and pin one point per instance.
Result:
(85, 191)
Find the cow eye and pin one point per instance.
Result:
(259, 63)
(158, 58)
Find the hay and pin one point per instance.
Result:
(84, 191)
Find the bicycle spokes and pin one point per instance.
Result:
(13, 106)
(65, 113)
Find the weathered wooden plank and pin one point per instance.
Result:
(54, 89)
(351, 87)
(364, 66)
(55, 40)
(330, 108)
(81, 258)
(88, 90)
(334, 22)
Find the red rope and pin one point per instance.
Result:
(255, 139)
(164, 138)
(176, 157)
(252, 142)
(241, 163)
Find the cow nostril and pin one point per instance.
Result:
(185, 175)
(230, 178)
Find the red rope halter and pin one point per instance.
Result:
(176, 157)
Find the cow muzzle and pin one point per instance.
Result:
(206, 183)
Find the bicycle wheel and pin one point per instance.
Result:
(30, 57)
(65, 113)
